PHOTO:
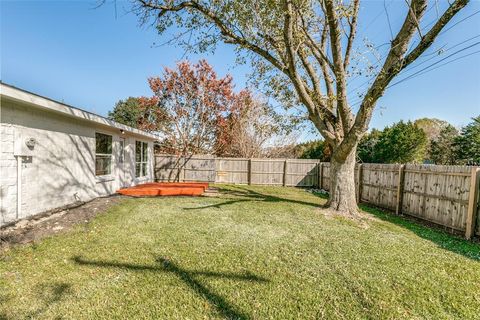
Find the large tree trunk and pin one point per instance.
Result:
(342, 184)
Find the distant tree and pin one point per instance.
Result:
(316, 149)
(247, 128)
(442, 149)
(403, 142)
(127, 112)
(432, 128)
(367, 148)
(468, 143)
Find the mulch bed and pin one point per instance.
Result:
(43, 225)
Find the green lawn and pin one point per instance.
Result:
(253, 252)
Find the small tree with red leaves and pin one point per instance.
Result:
(187, 108)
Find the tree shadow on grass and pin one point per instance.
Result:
(425, 230)
(248, 195)
(224, 308)
(432, 233)
(49, 293)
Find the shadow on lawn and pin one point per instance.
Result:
(441, 238)
(226, 309)
(50, 294)
(250, 195)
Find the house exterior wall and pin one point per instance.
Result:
(61, 169)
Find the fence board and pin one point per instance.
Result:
(231, 170)
(379, 185)
(433, 193)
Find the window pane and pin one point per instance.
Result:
(103, 165)
(103, 143)
(138, 168)
(144, 169)
(138, 151)
(145, 152)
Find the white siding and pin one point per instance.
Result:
(61, 170)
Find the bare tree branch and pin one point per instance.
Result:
(353, 32)
(344, 111)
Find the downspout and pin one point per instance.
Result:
(19, 186)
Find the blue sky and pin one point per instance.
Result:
(91, 58)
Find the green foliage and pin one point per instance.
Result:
(468, 143)
(442, 149)
(315, 149)
(127, 112)
(366, 151)
(403, 142)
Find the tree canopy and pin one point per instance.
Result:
(443, 149)
(468, 143)
(302, 49)
(127, 111)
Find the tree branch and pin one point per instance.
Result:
(230, 36)
(296, 79)
(430, 36)
(395, 62)
(343, 109)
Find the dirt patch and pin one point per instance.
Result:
(40, 226)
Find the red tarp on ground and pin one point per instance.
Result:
(165, 189)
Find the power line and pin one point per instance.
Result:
(453, 25)
(388, 19)
(429, 68)
(443, 64)
(433, 64)
(442, 32)
(436, 53)
(376, 17)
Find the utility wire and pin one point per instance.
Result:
(436, 54)
(429, 67)
(382, 57)
(435, 63)
(443, 64)
(425, 70)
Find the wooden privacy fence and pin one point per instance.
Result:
(445, 195)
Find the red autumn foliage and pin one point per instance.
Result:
(192, 108)
(197, 112)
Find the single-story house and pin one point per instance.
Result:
(53, 155)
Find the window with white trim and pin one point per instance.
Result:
(103, 154)
(141, 158)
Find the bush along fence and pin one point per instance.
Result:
(444, 195)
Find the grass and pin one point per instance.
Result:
(253, 252)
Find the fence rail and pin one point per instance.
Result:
(444, 195)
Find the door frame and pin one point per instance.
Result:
(122, 161)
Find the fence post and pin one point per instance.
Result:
(472, 203)
(285, 172)
(184, 164)
(401, 179)
(359, 187)
(320, 175)
(249, 171)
